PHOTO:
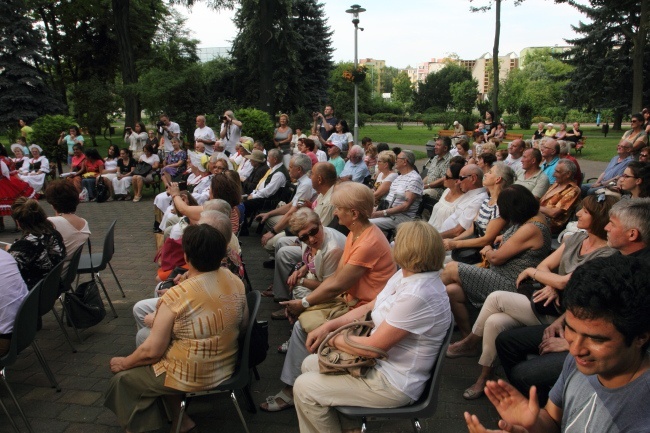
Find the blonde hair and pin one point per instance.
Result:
(489, 147)
(301, 218)
(371, 150)
(353, 195)
(418, 247)
(285, 116)
(388, 157)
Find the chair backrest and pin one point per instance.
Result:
(71, 274)
(24, 325)
(241, 373)
(109, 245)
(50, 289)
(428, 401)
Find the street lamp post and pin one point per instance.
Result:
(355, 10)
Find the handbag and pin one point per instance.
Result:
(101, 192)
(528, 287)
(336, 361)
(84, 305)
(316, 315)
(142, 168)
(469, 255)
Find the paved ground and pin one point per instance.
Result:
(84, 375)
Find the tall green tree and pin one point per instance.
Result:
(463, 95)
(402, 88)
(388, 74)
(282, 54)
(495, 47)
(23, 90)
(434, 92)
(616, 25)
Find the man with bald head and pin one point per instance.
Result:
(204, 134)
(515, 152)
(551, 155)
(471, 183)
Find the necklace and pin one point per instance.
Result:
(361, 230)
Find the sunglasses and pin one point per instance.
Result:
(311, 233)
(449, 177)
(628, 176)
(464, 177)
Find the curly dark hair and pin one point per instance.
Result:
(614, 288)
(62, 195)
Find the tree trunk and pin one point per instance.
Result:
(51, 35)
(618, 119)
(129, 72)
(495, 61)
(637, 58)
(266, 58)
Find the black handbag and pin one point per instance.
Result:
(101, 192)
(142, 168)
(528, 287)
(84, 306)
(470, 255)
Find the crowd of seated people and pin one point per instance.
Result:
(328, 242)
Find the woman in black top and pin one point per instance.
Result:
(125, 167)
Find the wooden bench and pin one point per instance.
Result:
(580, 145)
(510, 137)
(451, 133)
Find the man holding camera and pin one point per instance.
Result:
(204, 134)
(230, 132)
(168, 130)
(325, 122)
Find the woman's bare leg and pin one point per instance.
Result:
(173, 402)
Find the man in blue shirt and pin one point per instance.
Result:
(614, 169)
(551, 155)
(355, 169)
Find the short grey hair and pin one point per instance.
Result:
(301, 218)
(358, 150)
(506, 173)
(219, 221)
(275, 153)
(564, 148)
(219, 205)
(634, 214)
(410, 157)
(303, 161)
(570, 166)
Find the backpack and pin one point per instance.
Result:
(102, 192)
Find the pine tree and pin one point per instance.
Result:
(23, 92)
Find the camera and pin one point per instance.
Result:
(314, 114)
(128, 128)
(182, 186)
(160, 124)
(224, 119)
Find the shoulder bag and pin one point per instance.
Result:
(528, 288)
(142, 168)
(336, 361)
(84, 305)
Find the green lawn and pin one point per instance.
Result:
(598, 148)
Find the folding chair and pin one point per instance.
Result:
(66, 285)
(22, 336)
(93, 263)
(240, 378)
(425, 407)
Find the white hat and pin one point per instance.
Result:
(16, 145)
(36, 146)
(455, 122)
(330, 144)
(549, 124)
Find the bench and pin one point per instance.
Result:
(450, 133)
(580, 145)
(510, 137)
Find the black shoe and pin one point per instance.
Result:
(243, 231)
(269, 264)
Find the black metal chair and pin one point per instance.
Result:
(425, 407)
(93, 263)
(66, 284)
(23, 335)
(240, 378)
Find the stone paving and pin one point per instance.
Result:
(83, 376)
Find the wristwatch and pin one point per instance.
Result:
(305, 302)
(273, 231)
(385, 213)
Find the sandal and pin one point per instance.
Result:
(472, 394)
(451, 354)
(279, 315)
(137, 198)
(268, 293)
(284, 347)
(273, 406)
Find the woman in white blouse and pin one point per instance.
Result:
(34, 173)
(136, 138)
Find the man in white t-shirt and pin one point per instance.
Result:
(169, 130)
(230, 132)
(471, 183)
(515, 152)
(204, 134)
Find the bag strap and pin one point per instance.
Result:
(382, 353)
(90, 255)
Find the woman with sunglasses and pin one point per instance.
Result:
(322, 248)
(636, 135)
(448, 201)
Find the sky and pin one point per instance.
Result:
(416, 31)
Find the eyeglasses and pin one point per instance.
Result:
(311, 233)
(643, 155)
(634, 121)
(448, 177)
(461, 178)
(628, 176)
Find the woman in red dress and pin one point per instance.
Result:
(11, 186)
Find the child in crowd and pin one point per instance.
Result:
(502, 154)
(371, 158)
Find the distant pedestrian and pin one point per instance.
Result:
(605, 128)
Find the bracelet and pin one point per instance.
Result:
(273, 231)
(535, 273)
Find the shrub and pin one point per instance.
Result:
(542, 119)
(525, 115)
(256, 124)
